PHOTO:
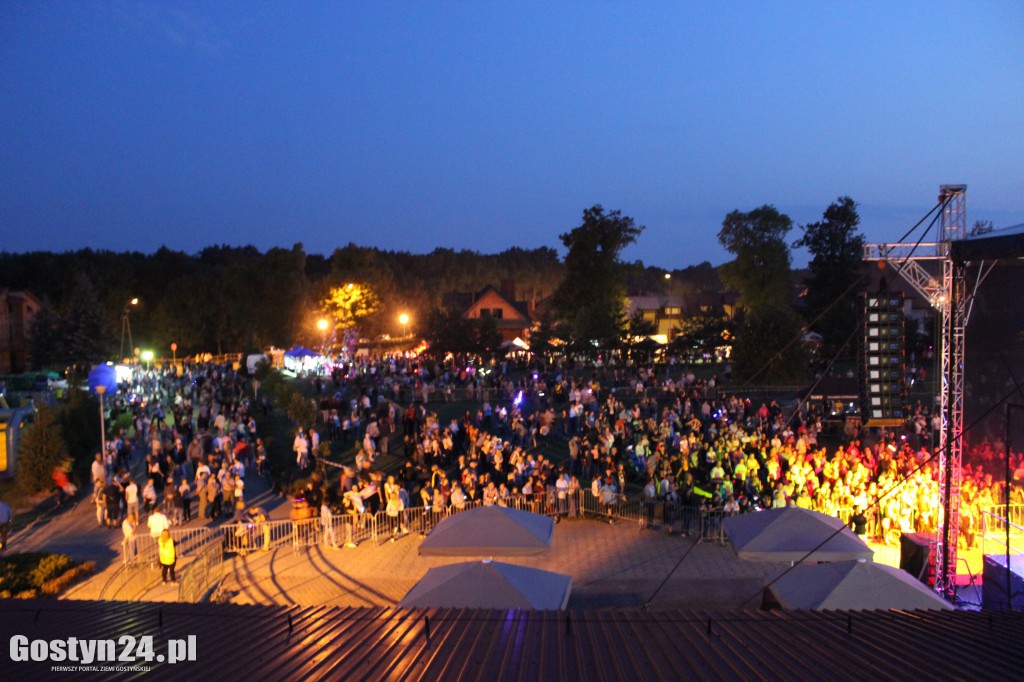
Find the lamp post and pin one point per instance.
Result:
(147, 357)
(126, 325)
(174, 354)
(322, 325)
(100, 390)
(404, 320)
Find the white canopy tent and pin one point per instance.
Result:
(789, 534)
(489, 585)
(851, 585)
(490, 531)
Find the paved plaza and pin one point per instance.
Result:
(611, 565)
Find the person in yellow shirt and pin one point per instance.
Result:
(168, 556)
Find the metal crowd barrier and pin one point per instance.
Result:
(144, 548)
(141, 569)
(242, 538)
(201, 575)
(704, 523)
(994, 534)
(1013, 514)
(130, 582)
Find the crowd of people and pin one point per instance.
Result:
(670, 437)
(531, 436)
(192, 439)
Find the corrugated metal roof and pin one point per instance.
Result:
(313, 643)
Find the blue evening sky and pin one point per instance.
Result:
(484, 125)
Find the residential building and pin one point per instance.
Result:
(513, 319)
(17, 308)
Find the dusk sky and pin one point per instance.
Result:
(485, 125)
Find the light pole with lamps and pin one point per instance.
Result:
(404, 320)
(100, 390)
(126, 325)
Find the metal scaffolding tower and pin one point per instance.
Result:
(949, 297)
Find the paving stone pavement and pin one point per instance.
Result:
(611, 566)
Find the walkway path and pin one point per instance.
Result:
(74, 531)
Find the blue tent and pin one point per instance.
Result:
(300, 352)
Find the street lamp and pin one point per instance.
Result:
(322, 325)
(147, 357)
(100, 390)
(404, 320)
(126, 325)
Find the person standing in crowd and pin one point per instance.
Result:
(99, 470)
(168, 557)
(128, 543)
(327, 525)
(131, 498)
(157, 523)
(301, 447)
(186, 500)
(99, 498)
(112, 498)
(6, 516)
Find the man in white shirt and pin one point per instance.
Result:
(327, 524)
(301, 448)
(99, 471)
(131, 498)
(128, 528)
(157, 523)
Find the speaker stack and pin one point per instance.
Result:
(883, 360)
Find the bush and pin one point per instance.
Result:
(301, 410)
(79, 422)
(50, 567)
(28, 575)
(55, 586)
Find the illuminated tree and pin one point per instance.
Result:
(350, 305)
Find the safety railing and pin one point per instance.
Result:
(994, 534)
(242, 538)
(199, 577)
(702, 522)
(1014, 513)
(144, 548)
(130, 582)
(142, 571)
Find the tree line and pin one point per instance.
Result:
(239, 299)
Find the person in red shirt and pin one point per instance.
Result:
(62, 485)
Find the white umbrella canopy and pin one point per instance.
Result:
(490, 531)
(789, 534)
(851, 586)
(489, 585)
